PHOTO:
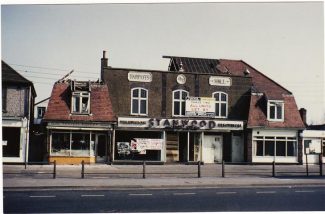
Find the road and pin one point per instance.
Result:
(167, 200)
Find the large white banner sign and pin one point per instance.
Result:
(200, 107)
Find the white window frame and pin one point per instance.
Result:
(275, 139)
(180, 100)
(275, 103)
(40, 109)
(139, 101)
(221, 102)
(81, 95)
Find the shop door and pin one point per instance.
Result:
(172, 147)
(101, 148)
(237, 149)
(212, 149)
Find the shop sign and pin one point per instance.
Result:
(220, 81)
(139, 76)
(200, 107)
(142, 144)
(179, 124)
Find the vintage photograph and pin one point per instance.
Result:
(162, 106)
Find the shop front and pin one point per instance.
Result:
(178, 140)
(72, 145)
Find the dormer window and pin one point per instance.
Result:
(275, 110)
(80, 102)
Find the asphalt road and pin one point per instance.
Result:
(166, 200)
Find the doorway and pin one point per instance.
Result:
(101, 148)
(212, 148)
(237, 148)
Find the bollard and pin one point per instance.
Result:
(54, 170)
(273, 169)
(82, 169)
(307, 166)
(320, 165)
(144, 170)
(199, 169)
(223, 168)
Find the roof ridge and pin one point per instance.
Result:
(16, 72)
(266, 77)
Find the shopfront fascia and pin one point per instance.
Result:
(72, 143)
(182, 140)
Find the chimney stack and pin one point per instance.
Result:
(104, 64)
(303, 115)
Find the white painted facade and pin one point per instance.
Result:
(313, 145)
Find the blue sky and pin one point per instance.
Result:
(285, 41)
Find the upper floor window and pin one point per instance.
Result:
(275, 110)
(179, 97)
(221, 102)
(40, 112)
(139, 101)
(80, 102)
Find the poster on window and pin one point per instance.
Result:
(123, 148)
(200, 107)
(142, 144)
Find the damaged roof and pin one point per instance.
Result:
(261, 84)
(60, 101)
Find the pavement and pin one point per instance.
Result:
(102, 176)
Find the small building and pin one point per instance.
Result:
(79, 122)
(313, 144)
(202, 110)
(18, 95)
(38, 138)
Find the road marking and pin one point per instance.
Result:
(266, 192)
(304, 191)
(143, 194)
(42, 196)
(226, 192)
(184, 193)
(92, 195)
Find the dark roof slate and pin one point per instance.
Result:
(10, 75)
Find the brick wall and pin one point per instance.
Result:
(162, 85)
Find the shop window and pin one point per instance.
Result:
(179, 97)
(60, 144)
(80, 102)
(71, 144)
(259, 148)
(275, 110)
(40, 112)
(275, 146)
(80, 144)
(221, 102)
(139, 101)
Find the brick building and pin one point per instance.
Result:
(18, 96)
(79, 123)
(202, 109)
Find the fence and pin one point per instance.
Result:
(275, 169)
(32, 172)
(144, 172)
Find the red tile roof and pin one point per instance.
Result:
(59, 104)
(257, 116)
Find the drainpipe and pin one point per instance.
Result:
(28, 125)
